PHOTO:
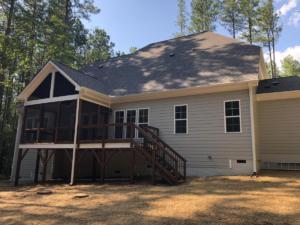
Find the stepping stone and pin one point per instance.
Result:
(44, 192)
(80, 196)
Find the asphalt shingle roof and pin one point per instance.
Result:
(278, 85)
(196, 60)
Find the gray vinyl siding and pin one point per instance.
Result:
(279, 130)
(206, 134)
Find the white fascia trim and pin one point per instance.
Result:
(50, 67)
(77, 87)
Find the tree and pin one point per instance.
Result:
(133, 50)
(99, 46)
(290, 67)
(204, 15)
(250, 12)
(269, 31)
(181, 18)
(31, 33)
(231, 17)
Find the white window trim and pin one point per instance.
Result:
(136, 119)
(138, 116)
(240, 116)
(187, 118)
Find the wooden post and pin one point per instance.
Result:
(19, 137)
(94, 165)
(103, 165)
(78, 109)
(18, 167)
(153, 163)
(45, 163)
(132, 162)
(37, 166)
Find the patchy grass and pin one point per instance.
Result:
(273, 198)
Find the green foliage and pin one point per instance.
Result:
(250, 13)
(290, 67)
(269, 31)
(181, 18)
(231, 16)
(133, 50)
(204, 15)
(98, 46)
(33, 32)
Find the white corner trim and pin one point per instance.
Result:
(252, 117)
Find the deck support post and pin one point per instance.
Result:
(20, 110)
(153, 164)
(73, 166)
(132, 162)
(17, 174)
(37, 166)
(94, 165)
(76, 127)
(45, 163)
(103, 165)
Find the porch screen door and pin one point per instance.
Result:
(130, 118)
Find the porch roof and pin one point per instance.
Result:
(281, 84)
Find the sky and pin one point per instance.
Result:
(136, 23)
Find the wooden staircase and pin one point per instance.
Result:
(165, 161)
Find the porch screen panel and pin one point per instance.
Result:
(43, 90)
(31, 124)
(66, 121)
(48, 122)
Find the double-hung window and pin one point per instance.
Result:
(143, 119)
(181, 119)
(232, 116)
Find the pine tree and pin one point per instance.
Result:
(249, 10)
(290, 67)
(99, 46)
(181, 18)
(204, 15)
(231, 17)
(269, 31)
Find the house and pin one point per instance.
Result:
(198, 105)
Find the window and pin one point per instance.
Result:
(130, 118)
(180, 117)
(232, 117)
(143, 119)
(119, 119)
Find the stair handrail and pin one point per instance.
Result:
(165, 144)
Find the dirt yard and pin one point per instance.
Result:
(273, 198)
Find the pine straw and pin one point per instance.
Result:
(273, 198)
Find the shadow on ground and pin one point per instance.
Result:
(270, 199)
